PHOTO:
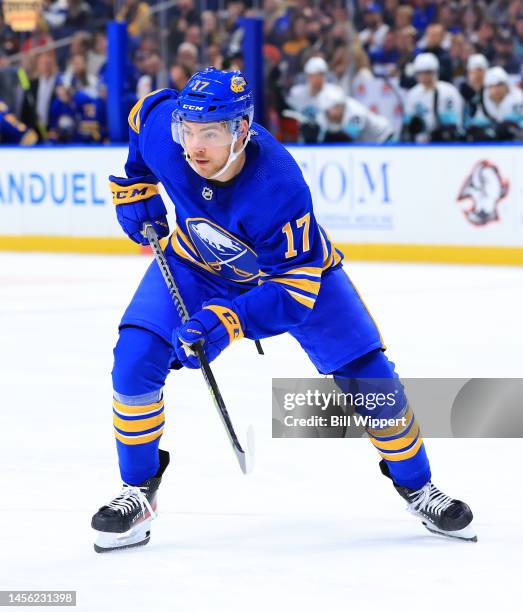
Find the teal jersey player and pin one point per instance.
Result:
(250, 261)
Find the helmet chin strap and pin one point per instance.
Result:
(233, 156)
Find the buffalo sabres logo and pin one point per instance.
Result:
(484, 189)
(207, 193)
(238, 84)
(223, 252)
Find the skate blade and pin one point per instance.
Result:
(136, 536)
(467, 533)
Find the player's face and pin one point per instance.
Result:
(497, 92)
(335, 114)
(476, 77)
(425, 78)
(208, 145)
(316, 81)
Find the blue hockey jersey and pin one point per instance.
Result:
(13, 131)
(257, 231)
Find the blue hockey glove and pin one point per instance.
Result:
(216, 326)
(137, 200)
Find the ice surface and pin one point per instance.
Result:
(315, 527)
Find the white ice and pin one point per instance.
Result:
(315, 527)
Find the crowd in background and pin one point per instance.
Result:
(358, 70)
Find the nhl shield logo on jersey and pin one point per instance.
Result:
(207, 193)
(222, 252)
(238, 84)
(483, 189)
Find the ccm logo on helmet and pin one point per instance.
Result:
(192, 107)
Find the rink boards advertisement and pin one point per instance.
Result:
(436, 203)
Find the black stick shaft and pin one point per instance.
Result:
(150, 233)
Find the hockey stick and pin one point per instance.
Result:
(150, 233)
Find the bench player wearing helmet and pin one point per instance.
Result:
(250, 261)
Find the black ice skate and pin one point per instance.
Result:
(439, 513)
(126, 521)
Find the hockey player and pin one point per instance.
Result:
(499, 116)
(250, 261)
(306, 99)
(472, 91)
(344, 119)
(433, 108)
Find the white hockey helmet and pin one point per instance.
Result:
(426, 62)
(332, 97)
(477, 61)
(496, 76)
(316, 65)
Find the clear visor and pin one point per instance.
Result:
(193, 135)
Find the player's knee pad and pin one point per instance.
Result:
(141, 362)
(372, 379)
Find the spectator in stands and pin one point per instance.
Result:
(351, 67)
(433, 108)
(343, 119)
(213, 56)
(424, 14)
(137, 14)
(40, 95)
(78, 78)
(504, 55)
(373, 35)
(54, 13)
(385, 60)
(97, 56)
(434, 43)
(210, 30)
(403, 17)
(77, 114)
(13, 131)
(154, 76)
(296, 44)
(448, 17)
(390, 8)
(518, 37)
(503, 106)
(276, 22)
(406, 44)
(179, 77)
(459, 52)
(187, 56)
(78, 14)
(483, 39)
(103, 10)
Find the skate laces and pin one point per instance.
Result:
(429, 499)
(130, 499)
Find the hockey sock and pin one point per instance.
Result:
(141, 364)
(402, 448)
(400, 445)
(138, 425)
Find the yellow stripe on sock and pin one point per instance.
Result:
(395, 430)
(132, 440)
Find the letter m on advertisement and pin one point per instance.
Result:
(374, 185)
